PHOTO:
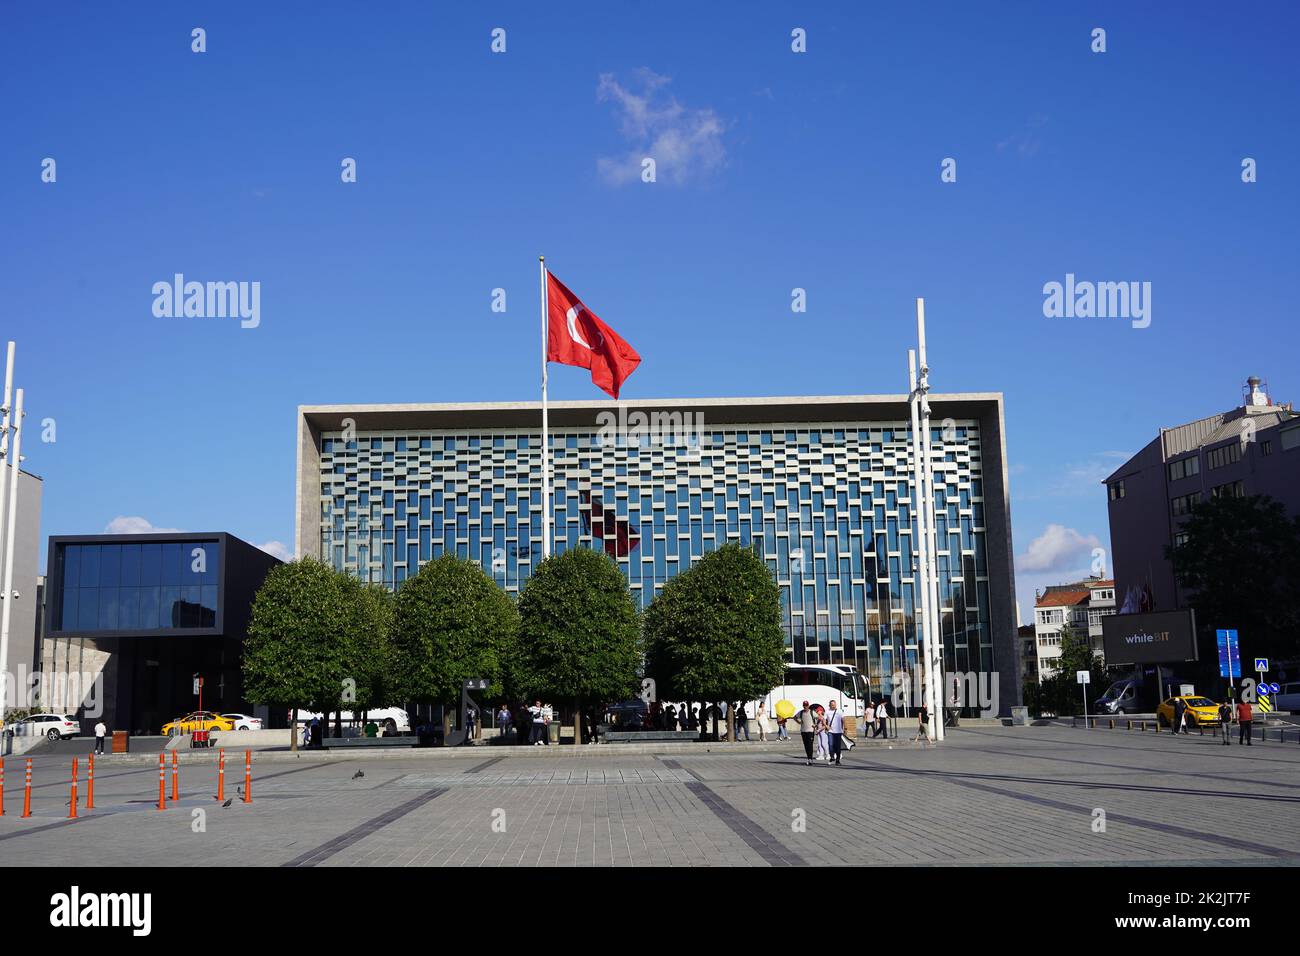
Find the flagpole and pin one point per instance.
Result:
(546, 444)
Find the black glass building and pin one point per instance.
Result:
(146, 613)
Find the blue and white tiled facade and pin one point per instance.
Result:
(826, 500)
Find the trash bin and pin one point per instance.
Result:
(553, 731)
(121, 742)
(1019, 716)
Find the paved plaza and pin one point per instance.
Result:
(988, 796)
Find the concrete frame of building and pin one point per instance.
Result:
(344, 452)
(135, 675)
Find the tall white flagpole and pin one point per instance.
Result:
(12, 519)
(921, 544)
(927, 477)
(4, 445)
(546, 442)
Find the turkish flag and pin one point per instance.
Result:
(576, 336)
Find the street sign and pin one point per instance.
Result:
(1229, 654)
(198, 685)
(1274, 688)
(1262, 700)
(1083, 677)
(1261, 665)
(477, 683)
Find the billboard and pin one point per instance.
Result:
(1156, 638)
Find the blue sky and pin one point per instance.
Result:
(776, 170)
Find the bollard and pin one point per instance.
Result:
(27, 791)
(1112, 724)
(162, 782)
(2, 786)
(176, 793)
(90, 784)
(72, 804)
(1130, 725)
(248, 776)
(221, 775)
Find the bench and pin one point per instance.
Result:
(330, 743)
(646, 736)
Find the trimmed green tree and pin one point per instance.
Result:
(579, 633)
(310, 642)
(714, 632)
(452, 623)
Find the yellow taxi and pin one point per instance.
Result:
(1201, 712)
(199, 720)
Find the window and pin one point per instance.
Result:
(1184, 468)
(1117, 490)
(1185, 503)
(1223, 455)
(1180, 539)
(1266, 447)
(1290, 438)
(1233, 489)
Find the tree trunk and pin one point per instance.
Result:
(577, 723)
(731, 723)
(293, 729)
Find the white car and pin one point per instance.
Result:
(244, 722)
(53, 726)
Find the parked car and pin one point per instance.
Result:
(53, 726)
(244, 722)
(198, 720)
(1201, 712)
(1288, 697)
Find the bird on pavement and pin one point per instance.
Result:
(229, 802)
(358, 774)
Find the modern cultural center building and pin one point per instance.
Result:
(822, 485)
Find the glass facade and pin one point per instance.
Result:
(136, 587)
(830, 509)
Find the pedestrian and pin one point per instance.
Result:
(882, 720)
(823, 737)
(1245, 720)
(1180, 711)
(100, 733)
(1225, 722)
(504, 720)
(537, 719)
(313, 732)
(760, 720)
(471, 718)
(922, 722)
(742, 722)
(781, 732)
(835, 730)
(807, 730)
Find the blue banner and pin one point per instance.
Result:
(1229, 660)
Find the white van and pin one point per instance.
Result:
(390, 720)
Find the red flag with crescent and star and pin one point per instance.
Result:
(577, 336)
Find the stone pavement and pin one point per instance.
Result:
(989, 796)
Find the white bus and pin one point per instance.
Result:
(819, 684)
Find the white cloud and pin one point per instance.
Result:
(277, 549)
(1056, 549)
(134, 524)
(684, 143)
